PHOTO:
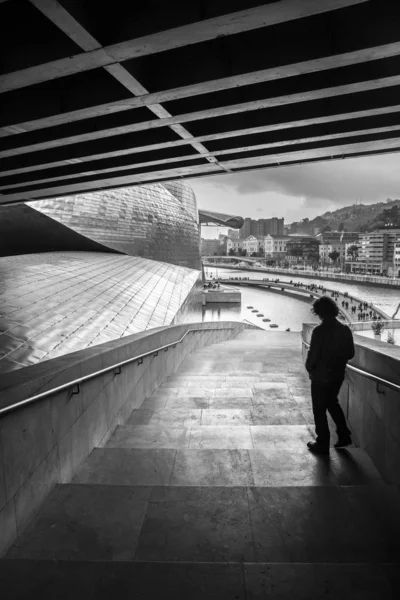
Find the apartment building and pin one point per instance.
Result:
(326, 249)
(378, 252)
(275, 246)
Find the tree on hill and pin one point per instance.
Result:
(326, 228)
(334, 255)
(341, 226)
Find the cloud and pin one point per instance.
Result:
(303, 190)
(369, 178)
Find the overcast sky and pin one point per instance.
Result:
(300, 191)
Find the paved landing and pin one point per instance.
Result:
(209, 491)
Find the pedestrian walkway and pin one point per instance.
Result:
(209, 492)
(348, 300)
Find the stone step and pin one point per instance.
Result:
(167, 435)
(297, 524)
(174, 414)
(100, 580)
(226, 467)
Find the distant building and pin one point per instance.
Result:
(275, 246)
(261, 227)
(302, 247)
(209, 247)
(334, 237)
(378, 253)
(326, 249)
(234, 244)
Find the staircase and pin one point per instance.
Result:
(209, 492)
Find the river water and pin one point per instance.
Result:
(289, 312)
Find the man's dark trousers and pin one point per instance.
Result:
(325, 398)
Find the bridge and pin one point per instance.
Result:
(113, 96)
(229, 259)
(302, 290)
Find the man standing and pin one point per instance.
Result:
(330, 349)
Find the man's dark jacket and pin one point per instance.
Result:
(330, 349)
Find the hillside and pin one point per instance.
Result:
(357, 217)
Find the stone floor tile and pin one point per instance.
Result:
(149, 436)
(270, 385)
(188, 403)
(392, 576)
(230, 403)
(292, 437)
(151, 403)
(238, 392)
(215, 437)
(181, 417)
(127, 466)
(196, 524)
(352, 466)
(272, 414)
(86, 522)
(234, 385)
(285, 467)
(212, 467)
(315, 581)
(307, 524)
(140, 416)
(376, 510)
(47, 580)
(226, 417)
(273, 394)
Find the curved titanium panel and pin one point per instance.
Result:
(207, 216)
(148, 221)
(54, 303)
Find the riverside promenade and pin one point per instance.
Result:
(303, 291)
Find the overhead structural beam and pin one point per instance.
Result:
(153, 99)
(223, 154)
(340, 151)
(238, 108)
(62, 19)
(201, 31)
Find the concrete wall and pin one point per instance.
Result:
(43, 443)
(373, 411)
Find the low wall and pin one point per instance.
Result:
(372, 410)
(228, 296)
(43, 443)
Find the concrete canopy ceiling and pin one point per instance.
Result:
(97, 95)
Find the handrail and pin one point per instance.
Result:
(367, 374)
(79, 380)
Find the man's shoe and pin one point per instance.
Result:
(342, 442)
(317, 448)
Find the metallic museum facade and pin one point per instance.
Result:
(85, 269)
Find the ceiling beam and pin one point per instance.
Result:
(62, 19)
(344, 150)
(201, 31)
(146, 99)
(331, 92)
(223, 154)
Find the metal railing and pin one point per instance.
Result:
(115, 367)
(367, 374)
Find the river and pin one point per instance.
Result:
(289, 312)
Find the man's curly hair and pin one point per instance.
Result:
(325, 307)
